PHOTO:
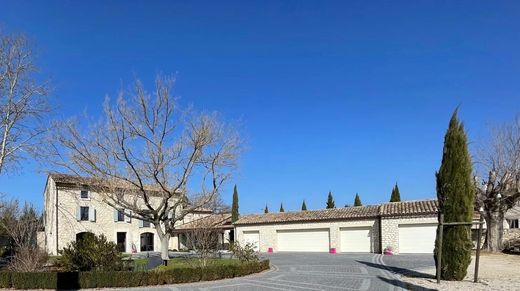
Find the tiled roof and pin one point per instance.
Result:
(409, 208)
(421, 207)
(356, 212)
(220, 220)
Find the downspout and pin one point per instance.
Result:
(380, 235)
(56, 218)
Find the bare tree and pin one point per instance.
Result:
(22, 101)
(148, 157)
(204, 239)
(501, 190)
(21, 226)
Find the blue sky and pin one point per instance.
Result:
(347, 96)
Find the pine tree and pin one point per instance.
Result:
(234, 207)
(304, 206)
(455, 193)
(281, 207)
(266, 210)
(396, 196)
(330, 201)
(357, 200)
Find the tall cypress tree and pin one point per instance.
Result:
(266, 210)
(357, 201)
(234, 207)
(396, 196)
(330, 201)
(455, 193)
(281, 207)
(304, 206)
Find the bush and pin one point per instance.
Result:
(244, 253)
(100, 279)
(91, 253)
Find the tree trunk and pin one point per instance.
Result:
(494, 225)
(164, 237)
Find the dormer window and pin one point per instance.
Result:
(84, 194)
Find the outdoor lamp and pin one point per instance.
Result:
(481, 209)
(499, 195)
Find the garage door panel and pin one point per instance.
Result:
(252, 237)
(356, 239)
(308, 240)
(417, 238)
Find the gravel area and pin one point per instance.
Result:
(497, 272)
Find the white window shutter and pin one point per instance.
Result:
(115, 214)
(92, 214)
(140, 223)
(78, 213)
(128, 218)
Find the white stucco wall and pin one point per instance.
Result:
(268, 236)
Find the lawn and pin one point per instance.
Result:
(183, 262)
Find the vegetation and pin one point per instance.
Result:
(455, 193)
(281, 208)
(304, 206)
(357, 201)
(234, 207)
(396, 196)
(102, 279)
(91, 253)
(266, 210)
(245, 253)
(330, 201)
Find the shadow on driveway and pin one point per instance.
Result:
(398, 270)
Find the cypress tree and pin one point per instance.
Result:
(234, 206)
(281, 207)
(357, 200)
(455, 193)
(330, 201)
(304, 207)
(396, 196)
(266, 210)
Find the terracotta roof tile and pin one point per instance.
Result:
(220, 220)
(357, 212)
(409, 208)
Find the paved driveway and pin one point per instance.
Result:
(317, 271)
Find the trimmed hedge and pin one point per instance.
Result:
(78, 280)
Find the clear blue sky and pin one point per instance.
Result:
(348, 96)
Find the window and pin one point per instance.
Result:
(84, 213)
(120, 215)
(146, 223)
(84, 194)
(513, 223)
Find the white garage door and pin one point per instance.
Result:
(356, 240)
(305, 240)
(417, 238)
(252, 237)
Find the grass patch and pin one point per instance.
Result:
(193, 262)
(140, 264)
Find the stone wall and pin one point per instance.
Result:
(390, 228)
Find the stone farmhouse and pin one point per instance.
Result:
(71, 210)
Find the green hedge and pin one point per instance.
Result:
(77, 280)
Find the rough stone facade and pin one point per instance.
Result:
(390, 228)
(61, 207)
(268, 232)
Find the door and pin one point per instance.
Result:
(121, 241)
(146, 242)
(252, 237)
(356, 239)
(417, 238)
(304, 240)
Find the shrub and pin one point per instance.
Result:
(91, 253)
(244, 253)
(102, 279)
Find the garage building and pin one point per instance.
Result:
(408, 227)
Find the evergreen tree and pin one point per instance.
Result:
(281, 207)
(357, 200)
(330, 201)
(304, 206)
(266, 210)
(234, 207)
(455, 193)
(396, 196)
